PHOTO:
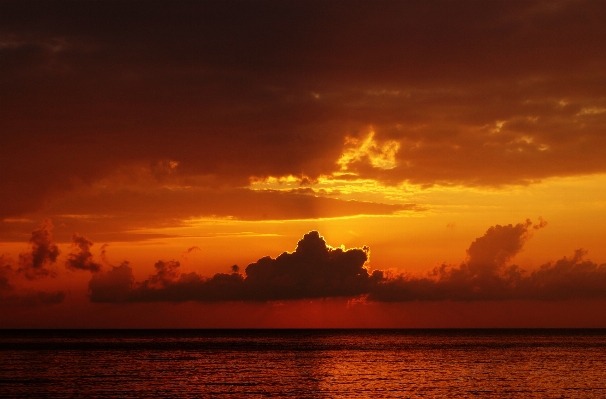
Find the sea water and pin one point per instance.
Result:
(303, 363)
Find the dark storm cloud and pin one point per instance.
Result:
(81, 258)
(313, 270)
(475, 93)
(43, 253)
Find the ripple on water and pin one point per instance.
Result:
(304, 364)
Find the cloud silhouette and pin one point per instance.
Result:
(567, 278)
(81, 258)
(188, 251)
(313, 270)
(11, 296)
(486, 276)
(499, 245)
(43, 253)
(317, 270)
(166, 272)
(114, 285)
(118, 285)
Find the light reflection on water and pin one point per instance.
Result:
(304, 363)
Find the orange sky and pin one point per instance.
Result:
(450, 156)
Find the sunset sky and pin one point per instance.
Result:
(302, 164)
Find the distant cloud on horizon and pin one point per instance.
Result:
(32, 265)
(43, 254)
(316, 270)
(313, 270)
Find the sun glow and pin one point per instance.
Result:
(379, 155)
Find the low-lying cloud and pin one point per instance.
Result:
(313, 270)
(81, 257)
(486, 275)
(10, 295)
(317, 270)
(43, 253)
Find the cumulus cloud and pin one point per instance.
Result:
(313, 270)
(317, 270)
(119, 285)
(569, 277)
(486, 274)
(81, 258)
(166, 272)
(499, 245)
(114, 285)
(10, 295)
(43, 253)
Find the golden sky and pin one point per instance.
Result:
(303, 164)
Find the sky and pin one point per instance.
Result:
(308, 164)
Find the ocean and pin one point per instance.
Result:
(303, 363)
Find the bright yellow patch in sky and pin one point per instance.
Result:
(380, 155)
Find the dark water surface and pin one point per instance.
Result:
(303, 363)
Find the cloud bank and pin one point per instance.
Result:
(316, 270)
(486, 275)
(313, 270)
